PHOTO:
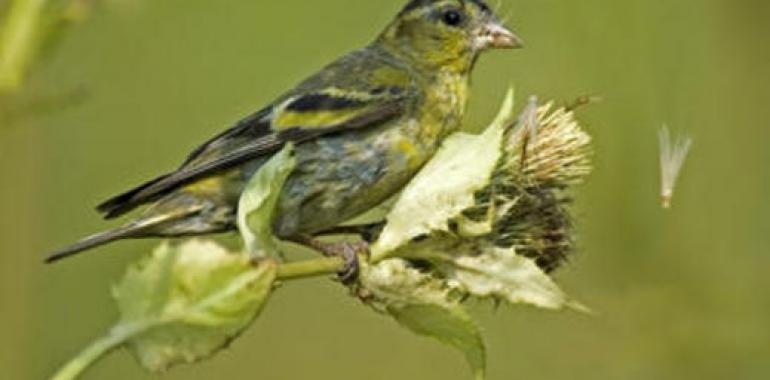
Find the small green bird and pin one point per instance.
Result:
(363, 126)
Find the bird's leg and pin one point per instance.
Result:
(347, 250)
(369, 232)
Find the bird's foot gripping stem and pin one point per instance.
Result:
(348, 251)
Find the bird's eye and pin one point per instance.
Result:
(453, 18)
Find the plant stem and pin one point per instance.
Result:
(310, 268)
(18, 41)
(94, 352)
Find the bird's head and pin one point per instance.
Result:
(447, 34)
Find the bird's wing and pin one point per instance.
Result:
(297, 118)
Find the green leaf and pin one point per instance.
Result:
(478, 269)
(184, 303)
(500, 273)
(256, 207)
(446, 186)
(424, 305)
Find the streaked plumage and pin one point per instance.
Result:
(363, 125)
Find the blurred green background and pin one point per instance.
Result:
(679, 294)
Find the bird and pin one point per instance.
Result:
(361, 128)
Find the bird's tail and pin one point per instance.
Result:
(179, 214)
(125, 232)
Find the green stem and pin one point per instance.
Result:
(95, 351)
(310, 268)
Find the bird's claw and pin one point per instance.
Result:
(349, 251)
(349, 273)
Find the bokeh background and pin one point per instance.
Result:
(679, 294)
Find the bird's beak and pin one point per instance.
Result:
(496, 36)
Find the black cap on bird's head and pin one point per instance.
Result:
(476, 14)
(447, 32)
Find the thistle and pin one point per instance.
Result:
(544, 156)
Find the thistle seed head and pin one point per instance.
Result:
(544, 154)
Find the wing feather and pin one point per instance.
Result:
(298, 119)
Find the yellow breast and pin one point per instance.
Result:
(444, 106)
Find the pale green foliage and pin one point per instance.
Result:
(425, 306)
(446, 186)
(502, 274)
(183, 304)
(257, 203)
(473, 267)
